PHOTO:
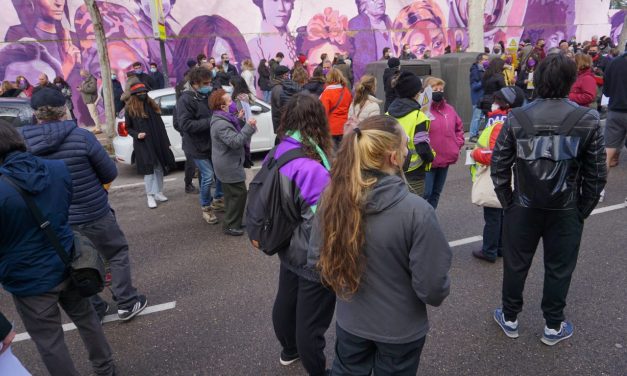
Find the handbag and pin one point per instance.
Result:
(483, 193)
(84, 263)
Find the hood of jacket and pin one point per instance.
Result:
(27, 171)
(402, 106)
(388, 191)
(290, 87)
(46, 138)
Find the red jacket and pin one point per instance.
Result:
(584, 91)
(329, 98)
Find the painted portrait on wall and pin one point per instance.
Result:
(421, 25)
(274, 34)
(371, 33)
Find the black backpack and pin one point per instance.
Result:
(269, 220)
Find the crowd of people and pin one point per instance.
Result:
(366, 243)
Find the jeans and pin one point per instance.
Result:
(302, 313)
(560, 231)
(111, 243)
(359, 356)
(42, 319)
(154, 182)
(475, 122)
(267, 96)
(492, 244)
(205, 168)
(434, 185)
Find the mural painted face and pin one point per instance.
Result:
(145, 5)
(49, 10)
(374, 8)
(426, 35)
(278, 12)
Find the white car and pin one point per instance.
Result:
(263, 139)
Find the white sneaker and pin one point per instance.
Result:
(602, 196)
(160, 197)
(151, 202)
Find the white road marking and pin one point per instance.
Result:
(472, 239)
(609, 208)
(114, 187)
(478, 238)
(110, 318)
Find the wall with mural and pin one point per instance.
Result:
(56, 36)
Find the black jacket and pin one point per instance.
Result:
(194, 123)
(264, 80)
(615, 85)
(159, 80)
(314, 87)
(281, 94)
(390, 92)
(117, 94)
(493, 84)
(553, 173)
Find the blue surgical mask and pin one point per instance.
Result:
(114, 77)
(153, 70)
(204, 89)
(139, 71)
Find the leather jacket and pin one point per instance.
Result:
(550, 172)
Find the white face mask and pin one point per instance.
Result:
(495, 107)
(228, 89)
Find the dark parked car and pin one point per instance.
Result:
(16, 111)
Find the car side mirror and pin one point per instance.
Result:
(255, 109)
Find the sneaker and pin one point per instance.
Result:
(208, 216)
(552, 337)
(127, 314)
(473, 139)
(151, 202)
(161, 197)
(218, 204)
(190, 188)
(482, 256)
(234, 231)
(286, 360)
(509, 328)
(602, 196)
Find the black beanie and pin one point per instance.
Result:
(408, 85)
(46, 96)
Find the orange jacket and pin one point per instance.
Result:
(330, 98)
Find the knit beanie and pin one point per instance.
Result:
(408, 85)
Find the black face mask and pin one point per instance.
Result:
(592, 54)
(142, 97)
(437, 96)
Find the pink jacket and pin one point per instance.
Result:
(446, 134)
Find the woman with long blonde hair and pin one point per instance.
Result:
(365, 104)
(381, 250)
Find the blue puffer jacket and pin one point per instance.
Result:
(88, 162)
(29, 264)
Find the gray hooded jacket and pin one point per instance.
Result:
(407, 265)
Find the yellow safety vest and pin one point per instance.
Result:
(409, 124)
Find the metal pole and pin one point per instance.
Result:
(164, 63)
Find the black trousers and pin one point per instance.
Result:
(356, 356)
(302, 313)
(190, 169)
(234, 204)
(560, 231)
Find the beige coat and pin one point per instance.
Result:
(372, 107)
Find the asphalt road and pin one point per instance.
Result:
(224, 291)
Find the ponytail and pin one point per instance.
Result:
(365, 87)
(342, 206)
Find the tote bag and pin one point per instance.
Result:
(483, 193)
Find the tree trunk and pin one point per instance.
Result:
(105, 68)
(623, 35)
(475, 25)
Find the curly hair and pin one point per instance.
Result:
(48, 113)
(307, 116)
